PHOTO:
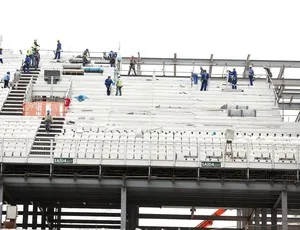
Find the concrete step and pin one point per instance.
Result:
(12, 109)
(12, 113)
(39, 152)
(12, 105)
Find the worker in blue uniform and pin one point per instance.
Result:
(108, 83)
(58, 50)
(26, 64)
(233, 78)
(204, 80)
(195, 78)
(251, 75)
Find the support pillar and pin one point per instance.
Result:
(34, 215)
(43, 219)
(284, 209)
(175, 60)
(50, 214)
(25, 216)
(1, 203)
(257, 227)
(264, 218)
(133, 218)
(58, 218)
(139, 69)
(211, 65)
(239, 213)
(123, 207)
(273, 219)
(245, 73)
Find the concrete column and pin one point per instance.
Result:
(34, 215)
(123, 207)
(175, 60)
(43, 220)
(211, 66)
(50, 214)
(257, 226)
(58, 217)
(1, 203)
(239, 213)
(284, 209)
(264, 218)
(133, 218)
(25, 216)
(273, 219)
(139, 71)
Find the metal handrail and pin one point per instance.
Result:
(69, 90)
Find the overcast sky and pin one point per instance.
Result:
(266, 29)
(192, 28)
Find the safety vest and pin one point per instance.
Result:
(119, 83)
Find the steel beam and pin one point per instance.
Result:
(289, 106)
(286, 82)
(277, 201)
(216, 62)
(123, 207)
(195, 217)
(284, 211)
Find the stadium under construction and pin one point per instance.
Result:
(163, 143)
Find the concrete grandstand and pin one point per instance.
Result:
(162, 143)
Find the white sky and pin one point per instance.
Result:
(267, 29)
(232, 28)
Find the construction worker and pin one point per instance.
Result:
(35, 46)
(1, 60)
(16, 79)
(233, 78)
(85, 57)
(6, 79)
(132, 65)
(204, 80)
(195, 78)
(119, 86)
(48, 121)
(108, 83)
(26, 64)
(58, 50)
(251, 75)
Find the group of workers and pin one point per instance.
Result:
(109, 83)
(232, 78)
(204, 76)
(32, 58)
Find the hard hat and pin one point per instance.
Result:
(250, 66)
(48, 111)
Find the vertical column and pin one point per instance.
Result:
(34, 215)
(284, 209)
(123, 207)
(273, 219)
(239, 213)
(133, 211)
(25, 216)
(256, 219)
(58, 217)
(211, 65)
(50, 214)
(264, 218)
(175, 60)
(43, 221)
(1, 201)
(139, 71)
